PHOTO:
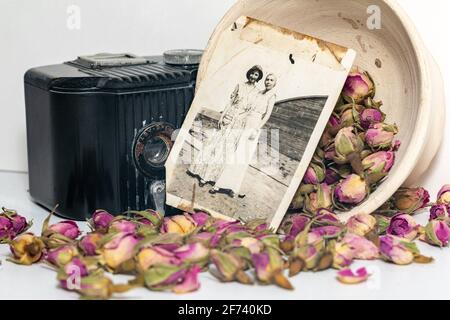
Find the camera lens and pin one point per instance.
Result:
(156, 151)
(151, 148)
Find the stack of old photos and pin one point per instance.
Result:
(258, 115)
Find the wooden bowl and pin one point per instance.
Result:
(407, 78)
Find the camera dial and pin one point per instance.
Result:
(151, 148)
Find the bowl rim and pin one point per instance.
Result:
(421, 126)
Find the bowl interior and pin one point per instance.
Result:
(387, 53)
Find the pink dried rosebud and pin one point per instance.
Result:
(361, 224)
(200, 218)
(327, 232)
(119, 250)
(411, 200)
(352, 190)
(403, 226)
(62, 255)
(68, 229)
(261, 262)
(202, 237)
(252, 244)
(326, 217)
(379, 162)
(321, 199)
(381, 136)
(437, 233)
(190, 282)
(6, 229)
(444, 195)
(192, 253)
(229, 267)
(397, 250)
(331, 177)
(101, 220)
(358, 87)
(149, 257)
(123, 225)
(27, 249)
(369, 117)
(164, 276)
(181, 224)
(295, 224)
(314, 175)
(362, 249)
(347, 143)
(74, 270)
(90, 243)
(348, 117)
(347, 276)
(11, 225)
(440, 211)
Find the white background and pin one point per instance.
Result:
(35, 33)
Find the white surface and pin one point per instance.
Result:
(35, 33)
(387, 282)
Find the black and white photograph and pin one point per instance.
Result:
(245, 143)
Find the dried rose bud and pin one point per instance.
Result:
(444, 195)
(192, 253)
(74, 270)
(347, 276)
(343, 255)
(314, 175)
(164, 276)
(119, 249)
(90, 243)
(62, 255)
(440, 211)
(294, 225)
(410, 200)
(269, 266)
(181, 224)
(11, 225)
(347, 143)
(27, 249)
(369, 117)
(379, 162)
(261, 262)
(101, 220)
(252, 244)
(123, 225)
(321, 199)
(326, 217)
(403, 226)
(437, 233)
(203, 237)
(98, 286)
(201, 218)
(397, 250)
(6, 229)
(362, 249)
(331, 176)
(149, 257)
(190, 282)
(361, 224)
(358, 87)
(229, 267)
(326, 232)
(381, 136)
(352, 190)
(68, 229)
(349, 117)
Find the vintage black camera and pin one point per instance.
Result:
(100, 128)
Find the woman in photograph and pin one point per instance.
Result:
(255, 119)
(212, 158)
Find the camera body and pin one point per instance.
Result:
(100, 128)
